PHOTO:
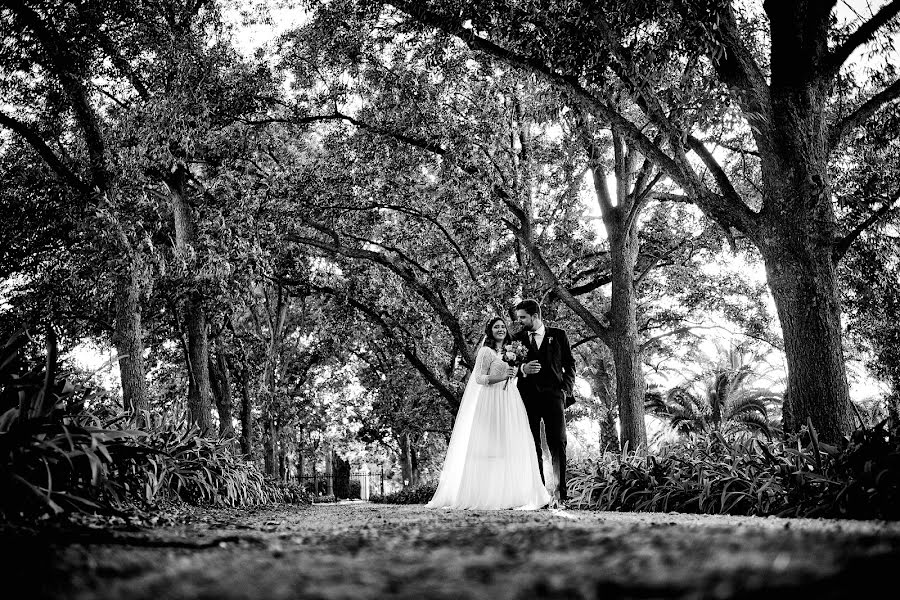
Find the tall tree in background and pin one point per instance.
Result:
(64, 43)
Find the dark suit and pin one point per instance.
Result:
(544, 395)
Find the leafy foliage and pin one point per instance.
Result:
(415, 494)
(733, 396)
(712, 474)
(54, 462)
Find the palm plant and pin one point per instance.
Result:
(729, 396)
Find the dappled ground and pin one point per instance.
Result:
(357, 550)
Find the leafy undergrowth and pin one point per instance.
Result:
(714, 475)
(58, 459)
(420, 493)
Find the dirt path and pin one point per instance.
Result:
(385, 551)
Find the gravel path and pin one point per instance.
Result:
(358, 550)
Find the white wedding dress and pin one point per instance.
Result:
(491, 461)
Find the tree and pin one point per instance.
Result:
(521, 151)
(65, 52)
(781, 90)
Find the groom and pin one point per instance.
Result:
(546, 383)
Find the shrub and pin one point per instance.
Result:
(56, 458)
(714, 475)
(420, 493)
(292, 493)
(183, 465)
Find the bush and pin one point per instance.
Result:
(56, 458)
(292, 493)
(714, 475)
(415, 494)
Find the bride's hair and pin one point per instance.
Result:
(489, 340)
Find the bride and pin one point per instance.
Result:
(491, 461)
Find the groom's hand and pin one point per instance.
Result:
(531, 367)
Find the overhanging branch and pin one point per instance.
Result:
(45, 152)
(861, 114)
(408, 350)
(834, 61)
(843, 245)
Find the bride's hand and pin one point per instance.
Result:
(511, 371)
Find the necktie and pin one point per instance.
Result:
(531, 340)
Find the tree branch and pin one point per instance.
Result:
(843, 245)
(45, 152)
(62, 62)
(549, 277)
(740, 215)
(407, 349)
(866, 110)
(629, 130)
(865, 32)
(426, 290)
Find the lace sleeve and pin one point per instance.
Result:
(482, 365)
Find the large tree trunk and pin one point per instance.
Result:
(406, 460)
(798, 232)
(414, 463)
(246, 438)
(329, 470)
(199, 393)
(270, 447)
(804, 287)
(128, 340)
(300, 464)
(199, 404)
(624, 341)
(220, 378)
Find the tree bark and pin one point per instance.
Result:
(413, 463)
(406, 463)
(246, 437)
(270, 447)
(128, 340)
(199, 393)
(220, 379)
(300, 464)
(624, 341)
(798, 227)
(805, 291)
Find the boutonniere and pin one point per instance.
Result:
(550, 340)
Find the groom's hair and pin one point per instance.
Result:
(530, 306)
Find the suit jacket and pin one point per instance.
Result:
(557, 365)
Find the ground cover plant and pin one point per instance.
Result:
(712, 474)
(57, 458)
(419, 493)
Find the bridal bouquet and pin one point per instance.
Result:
(514, 354)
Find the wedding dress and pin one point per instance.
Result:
(491, 461)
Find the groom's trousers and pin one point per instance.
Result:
(549, 407)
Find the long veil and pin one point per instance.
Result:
(452, 472)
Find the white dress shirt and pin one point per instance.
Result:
(538, 338)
